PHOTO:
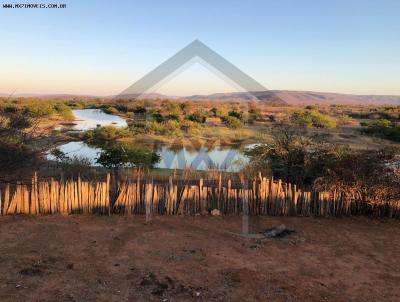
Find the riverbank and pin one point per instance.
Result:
(81, 258)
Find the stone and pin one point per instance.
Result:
(216, 212)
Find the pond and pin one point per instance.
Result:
(227, 159)
(224, 158)
(87, 119)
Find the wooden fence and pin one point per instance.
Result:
(260, 196)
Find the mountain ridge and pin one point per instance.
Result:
(291, 97)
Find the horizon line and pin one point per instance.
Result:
(38, 94)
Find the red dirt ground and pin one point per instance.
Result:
(81, 258)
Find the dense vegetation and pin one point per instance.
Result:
(391, 113)
(26, 133)
(37, 108)
(296, 159)
(383, 128)
(21, 139)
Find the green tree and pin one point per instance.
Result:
(124, 155)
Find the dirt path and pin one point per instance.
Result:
(82, 258)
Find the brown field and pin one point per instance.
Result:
(81, 258)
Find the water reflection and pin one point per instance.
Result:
(172, 157)
(87, 119)
(228, 159)
(175, 156)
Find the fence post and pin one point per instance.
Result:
(245, 207)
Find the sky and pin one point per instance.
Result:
(102, 47)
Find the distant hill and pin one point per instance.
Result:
(310, 97)
(50, 96)
(303, 97)
(278, 97)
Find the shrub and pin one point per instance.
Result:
(187, 125)
(139, 111)
(19, 141)
(388, 113)
(121, 108)
(19, 121)
(171, 108)
(64, 111)
(172, 116)
(76, 104)
(110, 110)
(13, 153)
(383, 128)
(139, 127)
(155, 127)
(313, 118)
(232, 122)
(170, 127)
(215, 112)
(130, 115)
(8, 108)
(75, 165)
(236, 114)
(199, 116)
(39, 109)
(158, 117)
(58, 154)
(344, 119)
(311, 107)
(186, 106)
(255, 114)
(325, 166)
(104, 134)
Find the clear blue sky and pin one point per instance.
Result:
(101, 47)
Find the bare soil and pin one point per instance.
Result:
(81, 258)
